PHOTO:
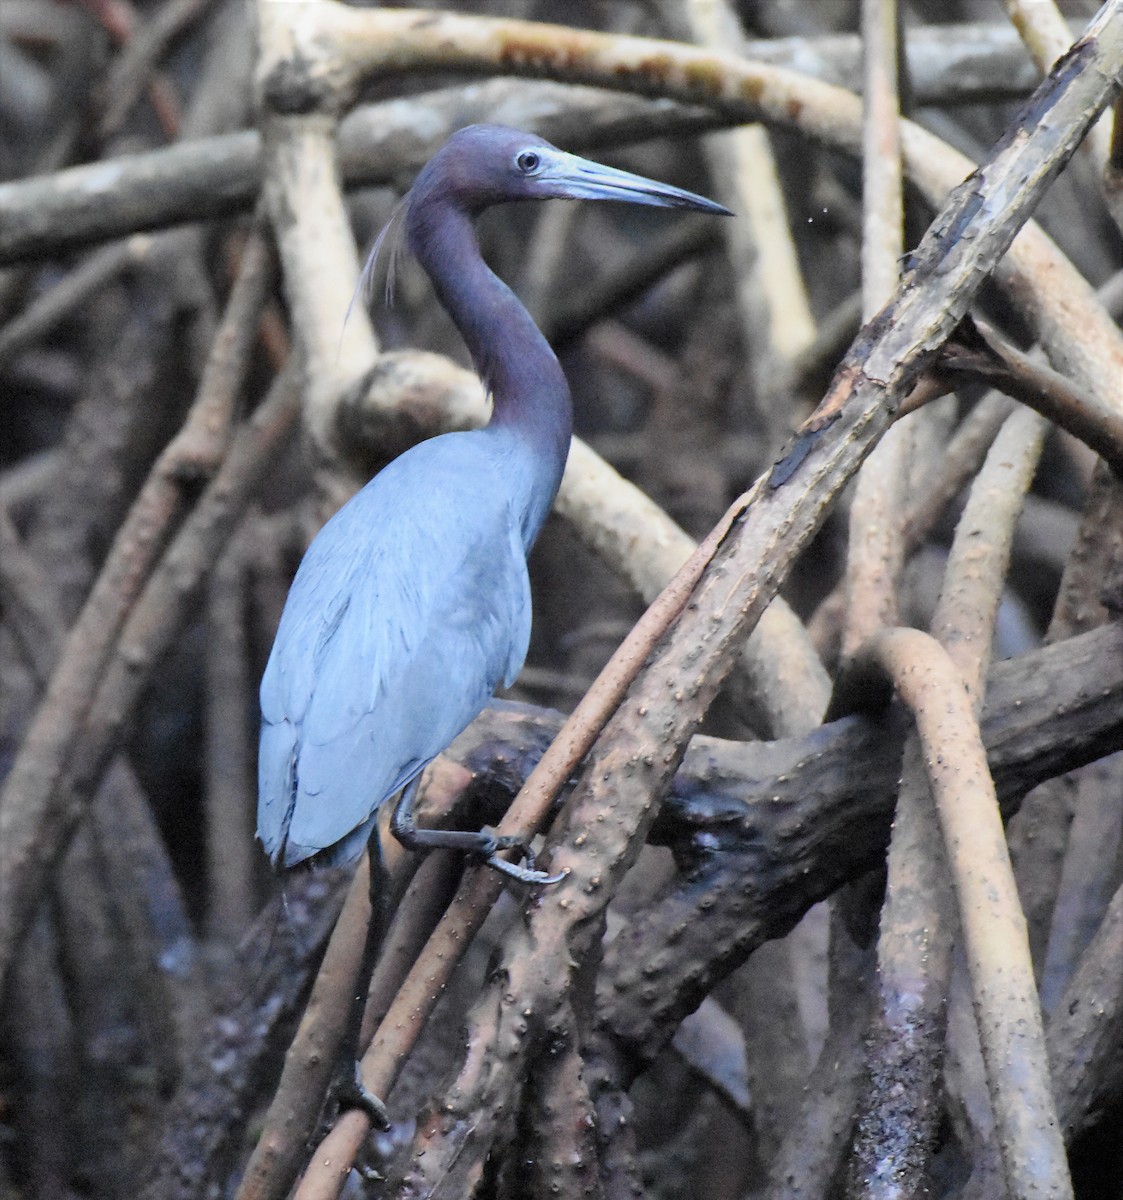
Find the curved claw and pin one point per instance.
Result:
(522, 874)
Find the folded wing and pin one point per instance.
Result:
(406, 613)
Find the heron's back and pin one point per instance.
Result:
(409, 608)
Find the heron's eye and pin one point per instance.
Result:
(528, 162)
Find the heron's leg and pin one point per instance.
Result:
(485, 842)
(349, 1091)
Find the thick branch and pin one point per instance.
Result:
(1009, 1016)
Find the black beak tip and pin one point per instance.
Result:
(704, 204)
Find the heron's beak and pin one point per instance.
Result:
(579, 179)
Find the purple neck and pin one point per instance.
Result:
(529, 391)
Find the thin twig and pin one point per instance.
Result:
(1083, 1034)
(1089, 876)
(876, 552)
(168, 599)
(136, 64)
(897, 1126)
(71, 292)
(145, 900)
(984, 353)
(897, 1112)
(965, 453)
(882, 177)
(776, 321)
(31, 610)
(228, 741)
(311, 1056)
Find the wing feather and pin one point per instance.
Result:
(408, 610)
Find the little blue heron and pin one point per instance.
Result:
(413, 602)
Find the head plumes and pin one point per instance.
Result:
(389, 245)
(481, 165)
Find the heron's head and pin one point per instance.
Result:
(482, 165)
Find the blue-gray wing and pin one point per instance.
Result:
(409, 608)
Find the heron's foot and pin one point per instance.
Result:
(492, 844)
(350, 1093)
(484, 843)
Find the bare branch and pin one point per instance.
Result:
(1005, 994)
